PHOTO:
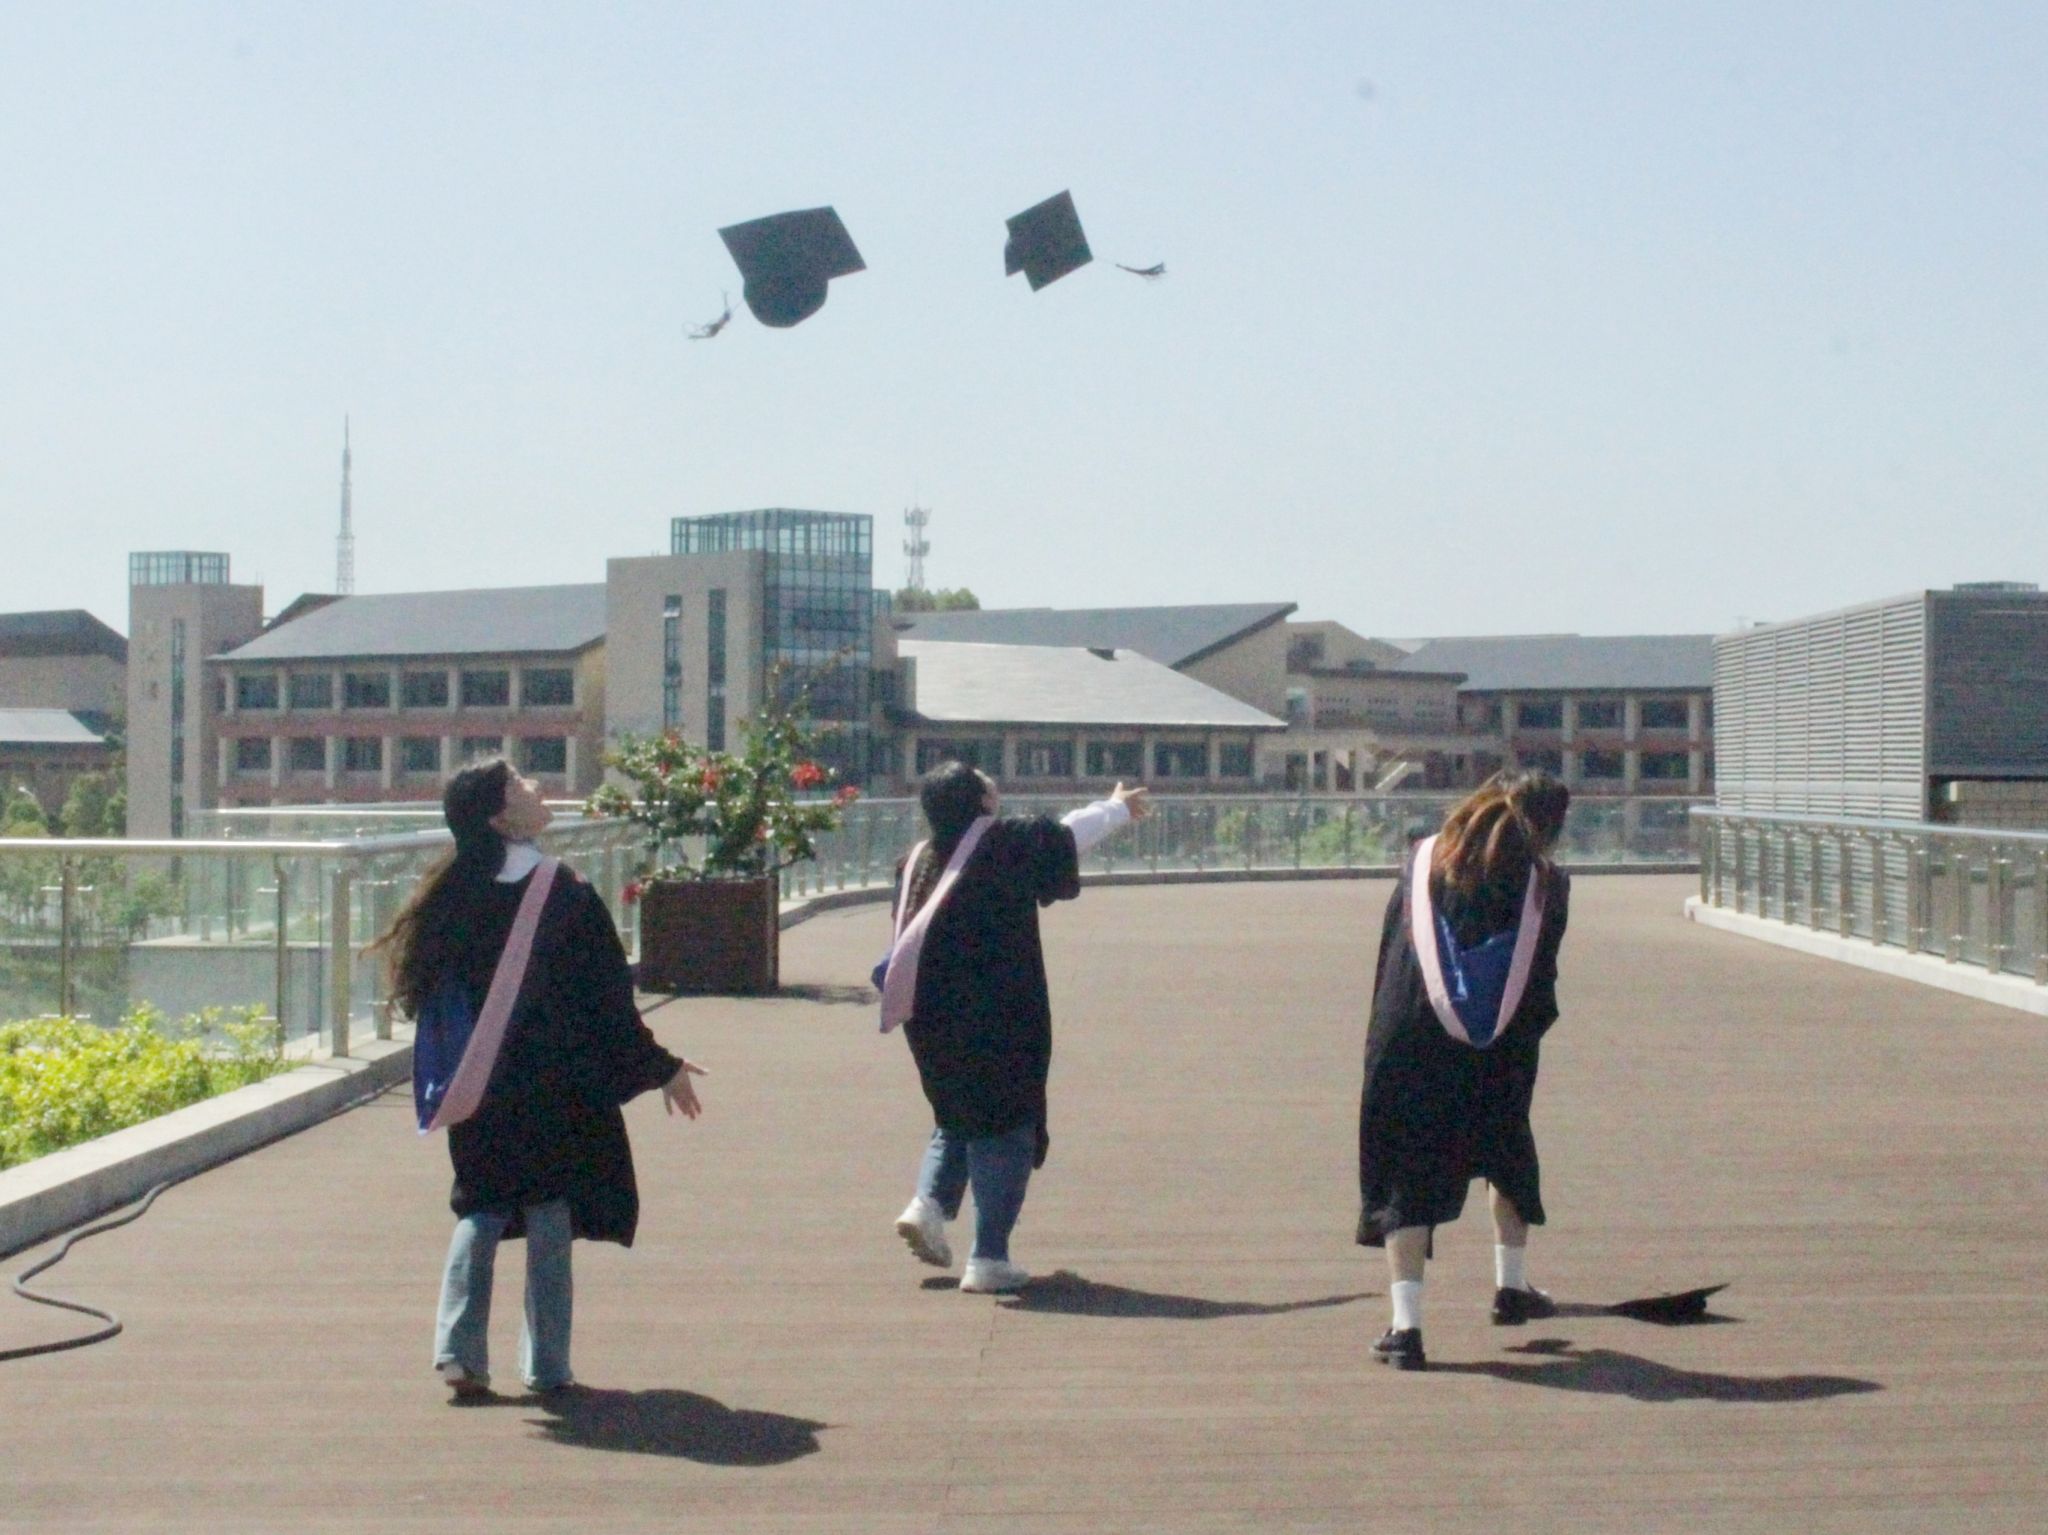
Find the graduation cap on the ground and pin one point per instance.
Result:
(787, 259)
(1046, 242)
(1668, 1310)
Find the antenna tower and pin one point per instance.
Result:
(915, 520)
(345, 542)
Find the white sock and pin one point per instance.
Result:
(1508, 1267)
(1407, 1295)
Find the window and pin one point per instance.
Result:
(1706, 714)
(419, 754)
(1045, 759)
(1601, 765)
(312, 690)
(474, 747)
(252, 754)
(672, 662)
(256, 690)
(362, 754)
(1664, 714)
(544, 754)
(1539, 714)
(486, 689)
(1234, 759)
(1599, 713)
(714, 675)
(1664, 766)
(1480, 713)
(307, 754)
(547, 687)
(1116, 759)
(425, 690)
(1551, 762)
(986, 754)
(1297, 706)
(366, 690)
(1180, 759)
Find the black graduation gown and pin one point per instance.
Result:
(575, 1049)
(980, 1026)
(1435, 1113)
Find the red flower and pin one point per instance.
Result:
(631, 893)
(807, 775)
(846, 796)
(711, 780)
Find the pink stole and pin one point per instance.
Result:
(473, 1075)
(899, 985)
(1422, 931)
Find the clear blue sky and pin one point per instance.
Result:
(1478, 317)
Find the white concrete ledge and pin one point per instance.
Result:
(70, 1187)
(2012, 991)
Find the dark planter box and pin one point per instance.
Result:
(710, 937)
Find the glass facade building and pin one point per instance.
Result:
(177, 567)
(817, 614)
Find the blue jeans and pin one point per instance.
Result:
(999, 1167)
(462, 1330)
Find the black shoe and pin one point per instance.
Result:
(1401, 1348)
(1511, 1308)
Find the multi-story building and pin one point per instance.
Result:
(63, 660)
(43, 750)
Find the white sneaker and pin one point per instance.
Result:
(462, 1383)
(993, 1276)
(923, 1225)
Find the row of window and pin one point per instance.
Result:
(416, 754)
(1596, 766)
(1104, 759)
(485, 687)
(1607, 714)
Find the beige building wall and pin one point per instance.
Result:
(214, 618)
(1253, 670)
(95, 683)
(637, 594)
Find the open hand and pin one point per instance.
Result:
(1137, 800)
(678, 1096)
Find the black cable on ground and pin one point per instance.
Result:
(113, 1322)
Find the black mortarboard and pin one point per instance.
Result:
(1046, 242)
(1669, 1310)
(787, 258)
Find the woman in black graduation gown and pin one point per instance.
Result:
(545, 1156)
(980, 1019)
(1446, 1100)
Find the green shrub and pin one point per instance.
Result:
(63, 1081)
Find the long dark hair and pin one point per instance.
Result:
(1497, 832)
(952, 796)
(427, 939)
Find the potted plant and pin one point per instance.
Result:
(710, 926)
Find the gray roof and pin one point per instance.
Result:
(961, 684)
(61, 632)
(504, 620)
(46, 727)
(1519, 662)
(1170, 636)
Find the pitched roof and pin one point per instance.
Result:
(1517, 662)
(505, 620)
(46, 727)
(1176, 636)
(967, 684)
(60, 632)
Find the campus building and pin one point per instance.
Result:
(63, 690)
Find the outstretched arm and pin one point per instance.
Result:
(1092, 824)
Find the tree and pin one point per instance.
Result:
(944, 600)
(23, 817)
(86, 807)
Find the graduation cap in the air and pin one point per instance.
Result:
(787, 259)
(1046, 242)
(1668, 1310)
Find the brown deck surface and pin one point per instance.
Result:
(1863, 1157)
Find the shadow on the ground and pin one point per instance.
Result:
(1066, 1293)
(679, 1423)
(1609, 1372)
(1581, 1310)
(830, 993)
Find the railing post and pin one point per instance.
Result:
(66, 880)
(2041, 917)
(1845, 886)
(340, 960)
(1995, 893)
(1812, 887)
(1919, 896)
(282, 950)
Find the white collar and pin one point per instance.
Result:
(521, 859)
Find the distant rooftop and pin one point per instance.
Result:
(61, 632)
(177, 567)
(1519, 662)
(1172, 636)
(46, 727)
(1009, 684)
(505, 620)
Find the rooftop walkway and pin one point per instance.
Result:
(1865, 1159)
